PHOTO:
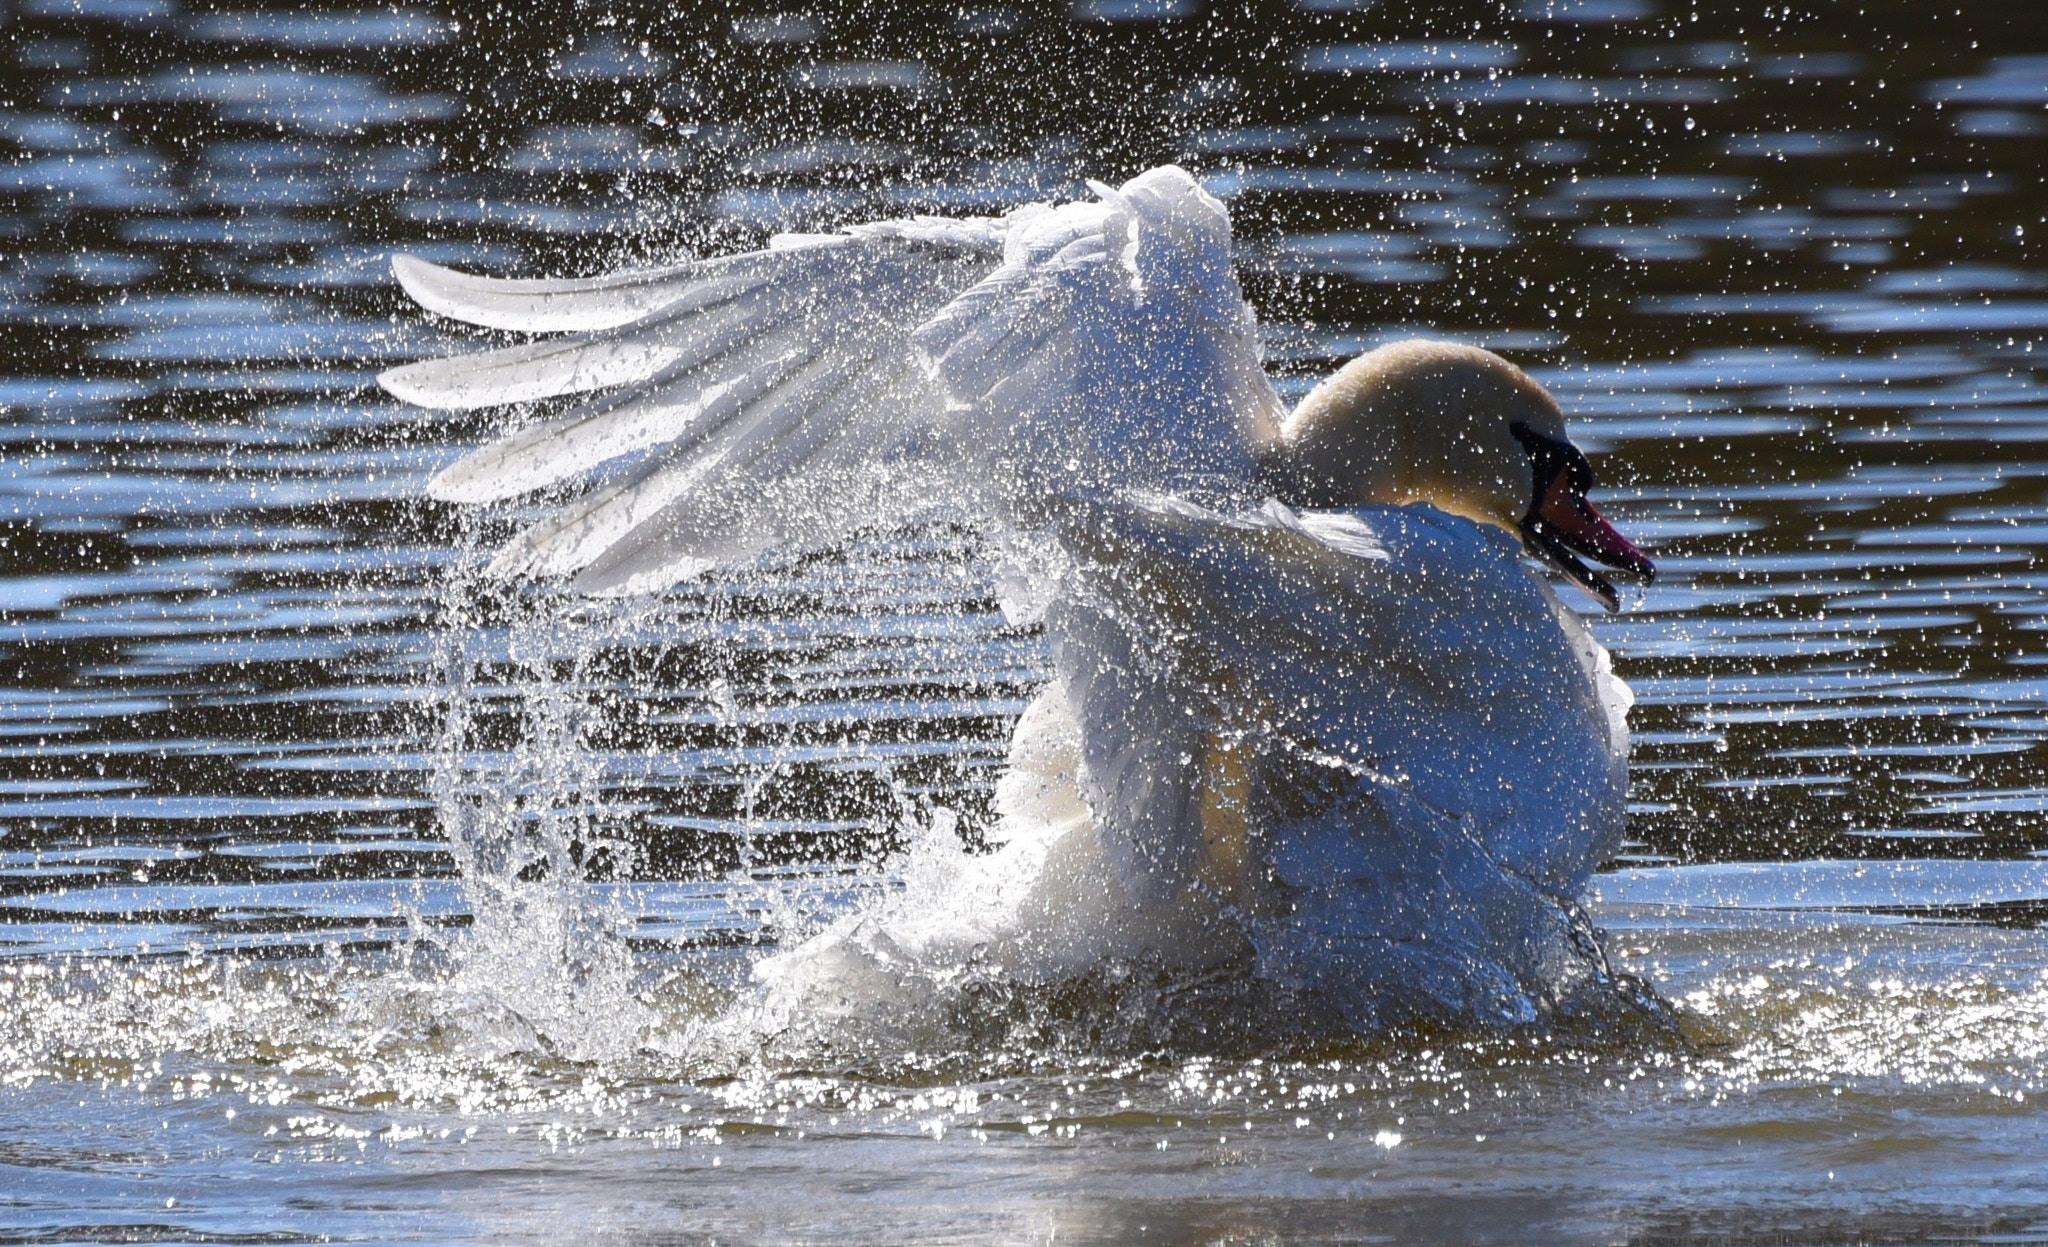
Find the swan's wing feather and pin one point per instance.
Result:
(795, 483)
(676, 408)
(593, 304)
(701, 321)
(712, 498)
(761, 391)
(541, 306)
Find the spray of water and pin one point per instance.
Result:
(1038, 945)
(546, 961)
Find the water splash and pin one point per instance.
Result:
(1040, 945)
(1042, 948)
(546, 961)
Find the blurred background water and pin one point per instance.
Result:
(344, 894)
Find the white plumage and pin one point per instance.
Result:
(1367, 742)
(796, 393)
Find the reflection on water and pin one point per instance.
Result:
(1778, 265)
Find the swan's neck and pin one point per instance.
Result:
(1367, 475)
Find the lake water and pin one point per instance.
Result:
(345, 894)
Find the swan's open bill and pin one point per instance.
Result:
(1561, 521)
(1308, 702)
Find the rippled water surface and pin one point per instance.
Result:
(343, 893)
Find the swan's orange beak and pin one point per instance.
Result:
(1562, 523)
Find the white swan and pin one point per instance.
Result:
(1306, 690)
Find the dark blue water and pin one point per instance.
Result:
(345, 893)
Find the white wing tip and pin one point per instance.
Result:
(426, 383)
(453, 484)
(403, 383)
(419, 278)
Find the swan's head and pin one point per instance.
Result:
(1461, 429)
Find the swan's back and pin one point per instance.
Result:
(1370, 734)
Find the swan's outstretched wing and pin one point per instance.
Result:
(793, 394)
(756, 391)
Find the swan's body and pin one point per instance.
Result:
(1366, 739)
